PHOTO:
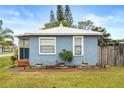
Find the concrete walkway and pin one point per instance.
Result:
(3, 55)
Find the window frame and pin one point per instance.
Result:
(82, 45)
(22, 40)
(23, 43)
(54, 45)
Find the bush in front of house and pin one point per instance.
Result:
(14, 57)
(66, 55)
(16, 53)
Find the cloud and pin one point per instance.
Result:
(19, 21)
(27, 13)
(117, 17)
(98, 20)
(112, 22)
(9, 12)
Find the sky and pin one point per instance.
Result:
(32, 17)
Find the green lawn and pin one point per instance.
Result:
(5, 61)
(6, 53)
(114, 78)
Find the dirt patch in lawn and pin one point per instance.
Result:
(54, 69)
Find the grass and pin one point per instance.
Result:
(5, 61)
(6, 53)
(111, 79)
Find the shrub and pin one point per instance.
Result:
(13, 58)
(16, 52)
(66, 55)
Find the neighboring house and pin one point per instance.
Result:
(7, 49)
(0, 48)
(44, 46)
(121, 43)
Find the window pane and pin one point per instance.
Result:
(21, 43)
(77, 41)
(77, 50)
(47, 49)
(47, 42)
(24, 43)
(47, 45)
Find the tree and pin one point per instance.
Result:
(68, 15)
(104, 39)
(5, 34)
(117, 41)
(86, 25)
(52, 17)
(1, 23)
(48, 25)
(55, 24)
(67, 22)
(60, 16)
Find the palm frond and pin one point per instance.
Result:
(7, 31)
(1, 23)
(8, 36)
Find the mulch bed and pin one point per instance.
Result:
(54, 69)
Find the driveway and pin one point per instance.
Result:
(3, 55)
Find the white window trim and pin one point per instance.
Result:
(54, 45)
(82, 45)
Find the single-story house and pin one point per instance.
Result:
(0, 48)
(43, 46)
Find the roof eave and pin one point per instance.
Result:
(55, 34)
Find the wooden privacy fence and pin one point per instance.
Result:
(111, 55)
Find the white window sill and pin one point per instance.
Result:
(47, 53)
(78, 55)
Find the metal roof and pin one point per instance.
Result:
(61, 31)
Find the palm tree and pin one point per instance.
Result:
(5, 34)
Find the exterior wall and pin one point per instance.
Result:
(91, 49)
(63, 42)
(0, 49)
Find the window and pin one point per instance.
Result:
(47, 45)
(78, 45)
(23, 48)
(24, 43)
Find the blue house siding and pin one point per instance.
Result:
(63, 42)
(90, 49)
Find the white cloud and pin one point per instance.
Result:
(27, 13)
(98, 20)
(113, 23)
(19, 21)
(102, 20)
(9, 12)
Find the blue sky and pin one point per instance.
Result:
(30, 18)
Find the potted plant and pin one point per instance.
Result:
(84, 62)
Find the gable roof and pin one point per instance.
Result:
(61, 31)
